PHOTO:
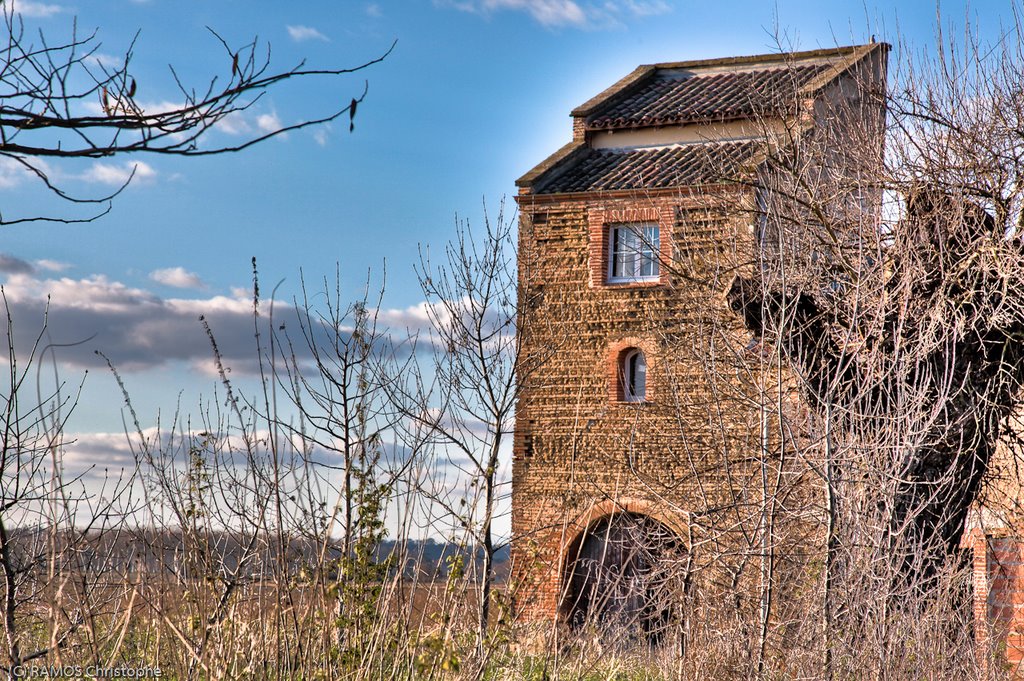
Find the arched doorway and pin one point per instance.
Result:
(626, 576)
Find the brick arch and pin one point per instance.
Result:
(599, 510)
(673, 520)
(580, 528)
(614, 356)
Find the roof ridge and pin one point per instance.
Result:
(643, 74)
(770, 57)
(700, 142)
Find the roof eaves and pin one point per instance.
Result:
(563, 156)
(856, 54)
(638, 75)
(684, 120)
(644, 192)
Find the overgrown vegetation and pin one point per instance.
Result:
(245, 543)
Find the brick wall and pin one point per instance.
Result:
(998, 585)
(582, 452)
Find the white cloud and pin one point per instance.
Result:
(52, 265)
(545, 12)
(549, 13)
(136, 328)
(647, 9)
(303, 33)
(562, 13)
(94, 294)
(374, 10)
(162, 106)
(268, 122)
(84, 452)
(94, 454)
(116, 175)
(414, 318)
(155, 107)
(139, 329)
(107, 61)
(234, 124)
(426, 321)
(178, 277)
(248, 123)
(13, 172)
(322, 134)
(36, 10)
(240, 305)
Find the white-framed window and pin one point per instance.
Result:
(634, 376)
(633, 251)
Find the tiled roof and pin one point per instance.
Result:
(688, 164)
(671, 96)
(654, 128)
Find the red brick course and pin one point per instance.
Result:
(998, 585)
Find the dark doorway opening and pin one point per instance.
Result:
(626, 578)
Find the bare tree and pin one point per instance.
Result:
(890, 286)
(473, 315)
(276, 506)
(60, 578)
(462, 401)
(341, 399)
(48, 85)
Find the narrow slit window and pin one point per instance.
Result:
(635, 376)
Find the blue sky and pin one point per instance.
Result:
(474, 94)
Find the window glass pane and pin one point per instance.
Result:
(639, 376)
(629, 261)
(618, 257)
(636, 376)
(650, 247)
(651, 235)
(648, 265)
(627, 251)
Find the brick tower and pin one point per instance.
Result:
(636, 435)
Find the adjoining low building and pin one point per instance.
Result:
(995, 539)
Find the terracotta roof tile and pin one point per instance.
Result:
(677, 166)
(675, 97)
